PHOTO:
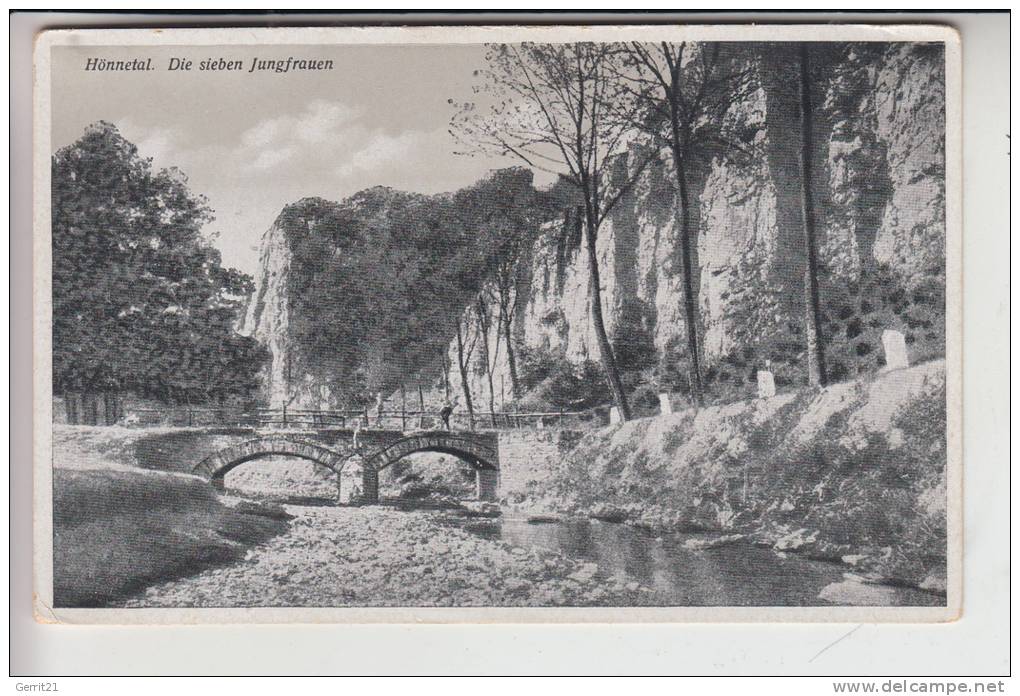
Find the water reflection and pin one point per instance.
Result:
(735, 575)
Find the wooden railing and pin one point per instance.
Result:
(404, 421)
(191, 417)
(416, 420)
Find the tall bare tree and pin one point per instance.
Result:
(489, 357)
(506, 299)
(817, 372)
(683, 91)
(465, 347)
(513, 224)
(551, 106)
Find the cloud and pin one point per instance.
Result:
(381, 151)
(321, 148)
(277, 140)
(271, 158)
(160, 143)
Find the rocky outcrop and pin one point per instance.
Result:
(880, 186)
(267, 319)
(910, 119)
(880, 158)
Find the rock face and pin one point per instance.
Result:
(910, 120)
(267, 319)
(879, 160)
(879, 163)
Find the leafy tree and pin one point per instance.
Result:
(514, 219)
(557, 382)
(552, 107)
(141, 301)
(378, 282)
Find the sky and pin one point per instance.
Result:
(254, 142)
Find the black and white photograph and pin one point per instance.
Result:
(635, 324)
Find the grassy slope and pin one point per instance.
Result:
(856, 469)
(117, 529)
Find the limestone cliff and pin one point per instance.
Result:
(267, 317)
(880, 148)
(880, 185)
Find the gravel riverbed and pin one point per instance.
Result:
(380, 556)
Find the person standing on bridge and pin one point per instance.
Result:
(446, 411)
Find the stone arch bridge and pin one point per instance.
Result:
(212, 453)
(506, 462)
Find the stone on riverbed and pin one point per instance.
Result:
(935, 582)
(343, 556)
(796, 540)
(713, 543)
(608, 513)
(543, 519)
(855, 592)
(585, 573)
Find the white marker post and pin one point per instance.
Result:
(766, 384)
(895, 346)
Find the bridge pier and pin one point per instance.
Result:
(370, 486)
(486, 484)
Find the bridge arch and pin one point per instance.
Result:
(217, 465)
(479, 450)
(475, 450)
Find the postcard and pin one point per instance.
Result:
(498, 324)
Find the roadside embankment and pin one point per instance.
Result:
(854, 473)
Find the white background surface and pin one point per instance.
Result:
(977, 644)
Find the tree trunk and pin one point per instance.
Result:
(108, 409)
(403, 409)
(421, 402)
(71, 407)
(511, 357)
(484, 324)
(682, 215)
(462, 367)
(605, 348)
(90, 408)
(813, 313)
(446, 376)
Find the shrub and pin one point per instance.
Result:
(578, 386)
(535, 365)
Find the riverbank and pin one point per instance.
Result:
(117, 531)
(381, 556)
(854, 473)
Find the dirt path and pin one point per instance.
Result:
(376, 556)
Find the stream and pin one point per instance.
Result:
(409, 554)
(738, 574)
